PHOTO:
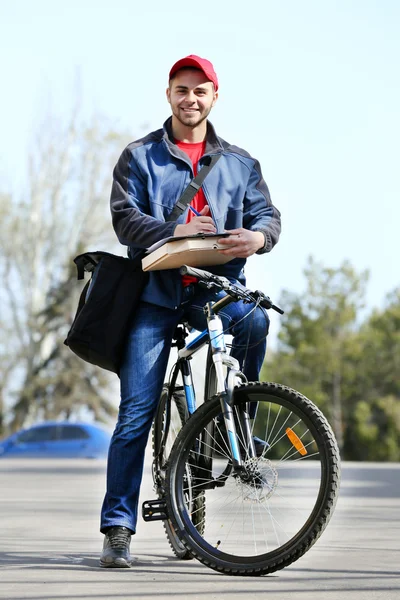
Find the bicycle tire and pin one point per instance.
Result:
(290, 495)
(160, 460)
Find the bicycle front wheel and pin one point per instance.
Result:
(265, 517)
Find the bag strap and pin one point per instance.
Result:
(82, 261)
(193, 187)
(89, 261)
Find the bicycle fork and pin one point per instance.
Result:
(225, 387)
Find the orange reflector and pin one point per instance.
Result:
(296, 441)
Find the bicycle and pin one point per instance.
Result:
(236, 509)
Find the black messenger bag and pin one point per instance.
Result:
(106, 308)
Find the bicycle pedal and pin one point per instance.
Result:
(154, 510)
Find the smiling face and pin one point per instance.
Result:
(191, 97)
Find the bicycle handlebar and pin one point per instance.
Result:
(233, 290)
(200, 274)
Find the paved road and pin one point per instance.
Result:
(50, 543)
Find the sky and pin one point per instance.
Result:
(310, 88)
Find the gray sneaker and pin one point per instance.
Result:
(116, 548)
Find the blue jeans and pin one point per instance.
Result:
(142, 376)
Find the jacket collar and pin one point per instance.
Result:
(213, 143)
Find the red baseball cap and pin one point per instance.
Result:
(198, 63)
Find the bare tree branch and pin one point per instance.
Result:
(63, 211)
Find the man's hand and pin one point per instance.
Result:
(202, 224)
(241, 243)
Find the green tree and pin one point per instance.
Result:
(318, 333)
(373, 429)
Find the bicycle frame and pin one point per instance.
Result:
(214, 335)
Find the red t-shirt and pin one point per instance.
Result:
(194, 152)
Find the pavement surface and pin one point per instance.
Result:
(50, 543)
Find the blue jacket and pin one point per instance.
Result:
(149, 178)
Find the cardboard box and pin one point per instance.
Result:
(194, 251)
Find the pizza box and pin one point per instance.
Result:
(195, 251)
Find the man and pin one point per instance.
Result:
(149, 178)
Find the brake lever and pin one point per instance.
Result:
(265, 301)
(209, 284)
(261, 298)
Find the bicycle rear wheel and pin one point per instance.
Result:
(165, 430)
(270, 514)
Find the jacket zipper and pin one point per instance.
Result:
(203, 187)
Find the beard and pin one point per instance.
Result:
(191, 121)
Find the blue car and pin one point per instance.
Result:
(58, 440)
